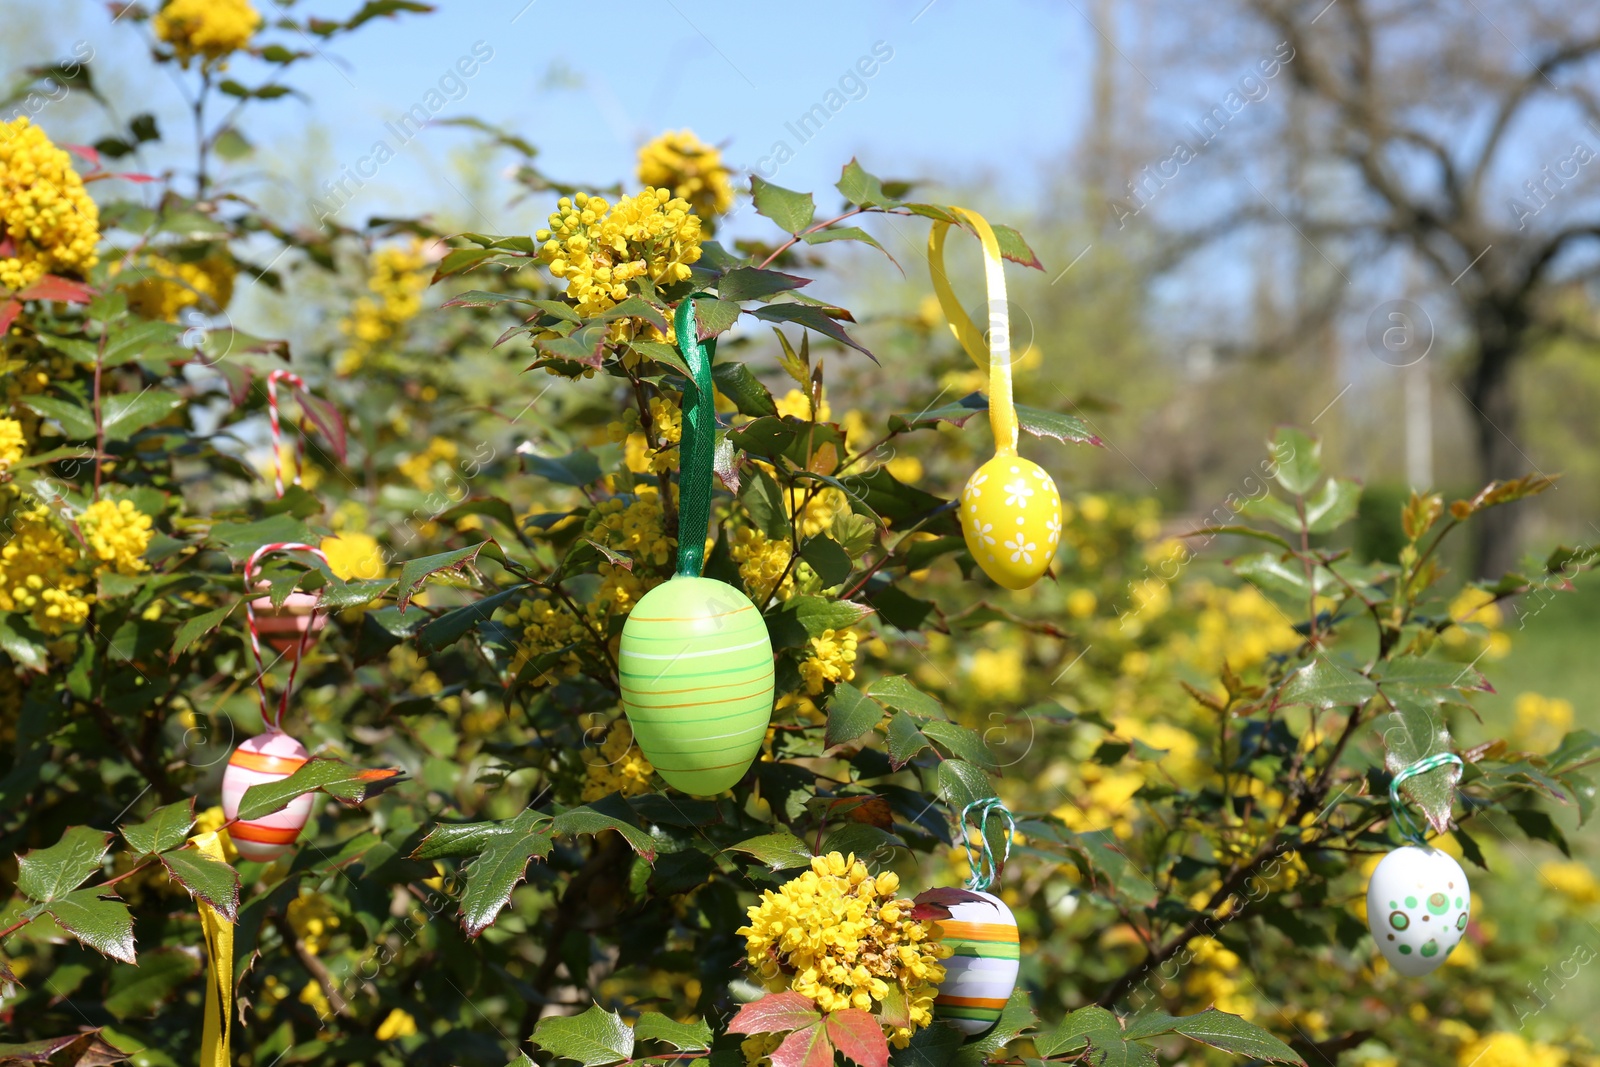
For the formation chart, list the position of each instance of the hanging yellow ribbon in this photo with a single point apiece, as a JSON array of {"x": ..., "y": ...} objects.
[
  {"x": 1010, "y": 509},
  {"x": 993, "y": 353},
  {"x": 219, "y": 969}
]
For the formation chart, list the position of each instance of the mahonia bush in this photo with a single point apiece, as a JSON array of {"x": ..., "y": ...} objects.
[{"x": 1191, "y": 735}]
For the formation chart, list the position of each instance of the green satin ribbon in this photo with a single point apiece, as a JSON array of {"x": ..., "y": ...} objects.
[
  {"x": 697, "y": 448},
  {"x": 1402, "y": 819},
  {"x": 981, "y": 861}
]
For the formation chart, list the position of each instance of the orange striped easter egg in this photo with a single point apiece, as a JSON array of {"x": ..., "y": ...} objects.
[
  {"x": 982, "y": 971},
  {"x": 268, "y": 757}
]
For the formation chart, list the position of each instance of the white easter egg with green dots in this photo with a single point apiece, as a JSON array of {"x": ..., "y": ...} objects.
[
  {"x": 1418, "y": 906},
  {"x": 1011, "y": 518},
  {"x": 697, "y": 679}
]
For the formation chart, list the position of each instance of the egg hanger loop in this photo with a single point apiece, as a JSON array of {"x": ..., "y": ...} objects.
[
  {"x": 697, "y": 447},
  {"x": 295, "y": 382},
  {"x": 268, "y": 719},
  {"x": 1402, "y": 819},
  {"x": 994, "y": 352},
  {"x": 980, "y": 860}
]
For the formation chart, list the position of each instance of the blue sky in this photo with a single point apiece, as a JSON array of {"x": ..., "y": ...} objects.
[{"x": 588, "y": 85}]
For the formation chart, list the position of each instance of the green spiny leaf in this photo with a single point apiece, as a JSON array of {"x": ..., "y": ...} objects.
[
  {"x": 209, "y": 880},
  {"x": 165, "y": 828},
  {"x": 100, "y": 921},
  {"x": 792, "y": 211},
  {"x": 592, "y": 1039},
  {"x": 780, "y": 851},
  {"x": 850, "y": 715},
  {"x": 334, "y": 777},
  {"x": 47, "y": 874}
]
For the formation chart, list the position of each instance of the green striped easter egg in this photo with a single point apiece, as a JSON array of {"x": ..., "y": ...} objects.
[
  {"x": 696, "y": 665},
  {"x": 982, "y": 969}
]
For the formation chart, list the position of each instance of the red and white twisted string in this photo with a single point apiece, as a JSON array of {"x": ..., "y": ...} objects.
[
  {"x": 270, "y": 721},
  {"x": 295, "y": 382}
]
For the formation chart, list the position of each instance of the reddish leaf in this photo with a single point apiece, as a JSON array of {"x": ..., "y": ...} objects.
[
  {"x": 87, "y": 152},
  {"x": 805, "y": 1048},
  {"x": 936, "y": 903},
  {"x": 55, "y": 287},
  {"x": 131, "y": 176},
  {"x": 8, "y": 314},
  {"x": 86, "y": 1049},
  {"x": 775, "y": 1013},
  {"x": 874, "y": 811},
  {"x": 327, "y": 419},
  {"x": 857, "y": 1034},
  {"x": 945, "y": 896},
  {"x": 272, "y": 347}
]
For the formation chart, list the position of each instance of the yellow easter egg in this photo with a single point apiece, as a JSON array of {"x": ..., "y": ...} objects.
[{"x": 1011, "y": 517}]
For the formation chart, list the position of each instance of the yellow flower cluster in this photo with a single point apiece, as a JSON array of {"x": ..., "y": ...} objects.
[
  {"x": 314, "y": 920},
  {"x": 619, "y": 766},
  {"x": 211, "y": 29},
  {"x": 637, "y": 528},
  {"x": 38, "y": 573},
  {"x": 1104, "y": 801},
  {"x": 997, "y": 672},
  {"x": 117, "y": 534},
  {"x": 758, "y": 1049},
  {"x": 398, "y": 1023},
  {"x": 840, "y": 936},
  {"x": 796, "y": 403},
  {"x": 419, "y": 466},
  {"x": 1542, "y": 721},
  {"x": 761, "y": 559},
  {"x": 1209, "y": 980},
  {"x": 160, "y": 288},
  {"x": 397, "y": 278},
  {"x": 598, "y": 248},
  {"x": 52, "y": 224},
  {"x": 1477, "y": 632},
  {"x": 831, "y": 658},
  {"x": 641, "y": 453},
  {"x": 1573, "y": 880},
  {"x": 547, "y": 627},
  {"x": 1507, "y": 1049},
  {"x": 692, "y": 169},
  {"x": 620, "y": 589},
  {"x": 1240, "y": 625},
  {"x": 353, "y": 554},
  {"x": 12, "y": 444},
  {"x": 817, "y": 515}
]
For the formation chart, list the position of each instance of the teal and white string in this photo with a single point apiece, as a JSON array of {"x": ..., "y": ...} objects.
[
  {"x": 981, "y": 859},
  {"x": 1402, "y": 819}
]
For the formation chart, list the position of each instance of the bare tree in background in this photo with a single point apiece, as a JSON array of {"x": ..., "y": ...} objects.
[{"x": 1464, "y": 134}]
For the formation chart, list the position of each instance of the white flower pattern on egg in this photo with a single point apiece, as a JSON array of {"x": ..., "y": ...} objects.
[
  {"x": 1022, "y": 549},
  {"x": 1023, "y": 512}
]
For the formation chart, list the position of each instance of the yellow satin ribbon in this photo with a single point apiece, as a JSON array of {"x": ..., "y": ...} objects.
[
  {"x": 219, "y": 969},
  {"x": 993, "y": 355}
]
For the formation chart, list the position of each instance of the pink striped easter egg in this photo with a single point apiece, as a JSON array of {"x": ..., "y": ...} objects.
[{"x": 268, "y": 757}]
